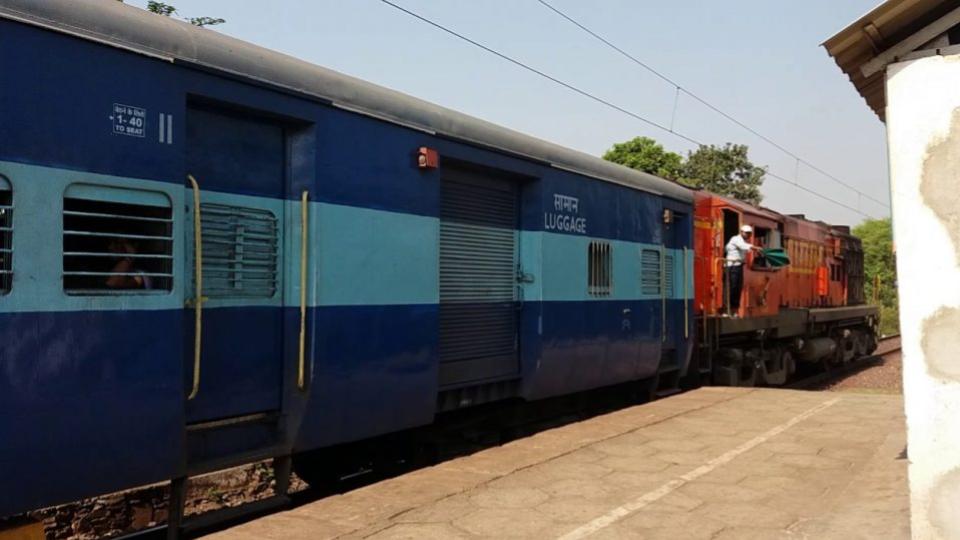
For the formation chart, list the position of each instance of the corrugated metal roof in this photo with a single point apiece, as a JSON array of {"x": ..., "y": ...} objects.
[
  {"x": 885, "y": 26},
  {"x": 118, "y": 25}
]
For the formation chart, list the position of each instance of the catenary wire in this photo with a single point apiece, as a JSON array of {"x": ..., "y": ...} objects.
[
  {"x": 707, "y": 104},
  {"x": 595, "y": 98},
  {"x": 531, "y": 69}
]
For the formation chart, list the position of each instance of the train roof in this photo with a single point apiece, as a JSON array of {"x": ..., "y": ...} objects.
[
  {"x": 773, "y": 215},
  {"x": 126, "y": 27},
  {"x": 742, "y": 206}
]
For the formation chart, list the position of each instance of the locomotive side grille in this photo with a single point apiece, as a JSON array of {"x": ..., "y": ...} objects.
[
  {"x": 239, "y": 251},
  {"x": 6, "y": 236},
  {"x": 115, "y": 244},
  {"x": 478, "y": 265},
  {"x": 650, "y": 272}
]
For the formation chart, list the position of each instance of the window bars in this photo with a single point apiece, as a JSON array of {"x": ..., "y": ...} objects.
[
  {"x": 6, "y": 236},
  {"x": 116, "y": 245},
  {"x": 599, "y": 269}
]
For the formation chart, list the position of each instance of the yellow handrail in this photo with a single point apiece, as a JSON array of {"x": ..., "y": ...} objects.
[
  {"x": 198, "y": 278},
  {"x": 663, "y": 293},
  {"x": 304, "y": 222},
  {"x": 686, "y": 308}
]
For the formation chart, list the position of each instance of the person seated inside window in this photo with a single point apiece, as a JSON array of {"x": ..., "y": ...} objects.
[{"x": 126, "y": 274}]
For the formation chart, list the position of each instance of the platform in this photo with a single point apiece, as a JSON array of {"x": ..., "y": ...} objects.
[{"x": 713, "y": 463}]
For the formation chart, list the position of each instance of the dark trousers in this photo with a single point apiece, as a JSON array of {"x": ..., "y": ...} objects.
[{"x": 734, "y": 284}]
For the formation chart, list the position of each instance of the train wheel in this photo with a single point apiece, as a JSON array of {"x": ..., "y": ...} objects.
[{"x": 872, "y": 343}]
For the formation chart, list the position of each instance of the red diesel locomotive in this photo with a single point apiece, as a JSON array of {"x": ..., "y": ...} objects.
[{"x": 810, "y": 311}]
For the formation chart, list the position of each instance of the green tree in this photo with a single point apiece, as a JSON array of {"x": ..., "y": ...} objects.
[
  {"x": 880, "y": 262},
  {"x": 162, "y": 8},
  {"x": 647, "y": 155},
  {"x": 725, "y": 171}
]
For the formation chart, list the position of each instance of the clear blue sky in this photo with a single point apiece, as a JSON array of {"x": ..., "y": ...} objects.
[{"x": 759, "y": 60}]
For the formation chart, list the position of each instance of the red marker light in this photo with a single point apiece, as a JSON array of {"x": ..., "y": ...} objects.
[{"x": 427, "y": 158}]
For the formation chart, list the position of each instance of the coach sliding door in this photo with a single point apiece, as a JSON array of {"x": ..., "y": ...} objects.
[{"x": 479, "y": 308}]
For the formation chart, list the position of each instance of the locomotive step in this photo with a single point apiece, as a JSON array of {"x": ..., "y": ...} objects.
[{"x": 232, "y": 460}]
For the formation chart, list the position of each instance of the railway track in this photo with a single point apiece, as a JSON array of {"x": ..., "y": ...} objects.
[{"x": 889, "y": 344}]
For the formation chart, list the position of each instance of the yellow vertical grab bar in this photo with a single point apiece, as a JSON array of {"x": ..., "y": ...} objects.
[
  {"x": 198, "y": 278},
  {"x": 304, "y": 226},
  {"x": 686, "y": 307},
  {"x": 663, "y": 293}
]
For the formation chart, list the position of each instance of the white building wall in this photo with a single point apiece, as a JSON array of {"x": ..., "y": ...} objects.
[{"x": 923, "y": 128}]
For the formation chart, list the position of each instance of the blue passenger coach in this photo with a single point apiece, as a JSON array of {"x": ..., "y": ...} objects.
[{"x": 366, "y": 260}]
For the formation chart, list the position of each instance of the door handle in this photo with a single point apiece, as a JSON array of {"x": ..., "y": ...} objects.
[
  {"x": 198, "y": 278},
  {"x": 304, "y": 226}
]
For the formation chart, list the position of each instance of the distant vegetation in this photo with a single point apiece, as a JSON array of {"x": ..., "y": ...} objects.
[
  {"x": 879, "y": 260},
  {"x": 725, "y": 170},
  {"x": 162, "y": 8}
]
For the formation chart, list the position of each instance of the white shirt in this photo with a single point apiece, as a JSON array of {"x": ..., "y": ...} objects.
[{"x": 737, "y": 249}]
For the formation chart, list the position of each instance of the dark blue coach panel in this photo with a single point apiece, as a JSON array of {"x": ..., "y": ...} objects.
[{"x": 121, "y": 105}]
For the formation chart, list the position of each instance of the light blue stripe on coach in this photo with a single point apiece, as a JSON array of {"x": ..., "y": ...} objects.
[
  {"x": 372, "y": 257},
  {"x": 558, "y": 264},
  {"x": 355, "y": 256},
  {"x": 38, "y": 239}
]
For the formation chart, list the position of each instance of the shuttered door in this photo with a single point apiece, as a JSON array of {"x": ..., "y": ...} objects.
[{"x": 478, "y": 258}]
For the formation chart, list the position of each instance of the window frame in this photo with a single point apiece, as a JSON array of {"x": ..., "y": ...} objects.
[
  {"x": 6, "y": 237},
  {"x": 599, "y": 268},
  {"x": 94, "y": 194}
]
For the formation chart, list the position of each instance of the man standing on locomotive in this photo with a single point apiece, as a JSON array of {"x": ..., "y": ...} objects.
[{"x": 736, "y": 256}]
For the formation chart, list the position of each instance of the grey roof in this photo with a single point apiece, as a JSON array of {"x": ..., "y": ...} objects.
[
  {"x": 118, "y": 25},
  {"x": 885, "y": 26}
]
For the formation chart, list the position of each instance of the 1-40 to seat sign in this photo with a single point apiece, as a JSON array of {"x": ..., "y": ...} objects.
[{"x": 129, "y": 120}]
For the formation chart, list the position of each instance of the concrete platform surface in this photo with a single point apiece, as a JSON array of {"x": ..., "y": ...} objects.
[{"x": 715, "y": 463}]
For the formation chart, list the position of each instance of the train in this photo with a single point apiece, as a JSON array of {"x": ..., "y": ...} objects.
[{"x": 213, "y": 254}]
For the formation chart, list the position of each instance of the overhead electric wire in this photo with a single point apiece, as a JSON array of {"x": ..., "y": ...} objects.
[
  {"x": 531, "y": 69},
  {"x": 706, "y": 103},
  {"x": 593, "y": 97}
]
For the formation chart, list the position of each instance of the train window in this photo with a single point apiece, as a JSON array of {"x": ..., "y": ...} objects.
[
  {"x": 650, "y": 272},
  {"x": 836, "y": 272},
  {"x": 769, "y": 239},
  {"x": 6, "y": 236},
  {"x": 116, "y": 241},
  {"x": 599, "y": 268},
  {"x": 240, "y": 251}
]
